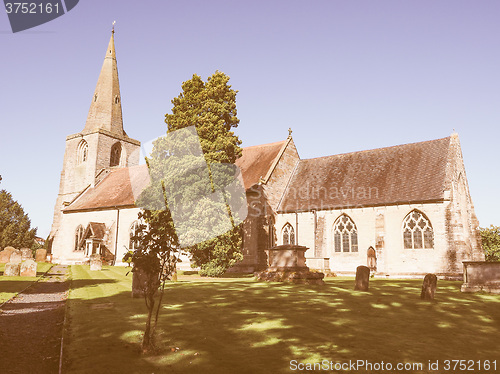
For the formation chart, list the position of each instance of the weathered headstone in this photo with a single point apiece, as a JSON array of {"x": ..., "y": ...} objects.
[
  {"x": 95, "y": 262},
  {"x": 26, "y": 254},
  {"x": 429, "y": 287},
  {"x": 28, "y": 268},
  {"x": 11, "y": 269},
  {"x": 5, "y": 254},
  {"x": 41, "y": 255},
  {"x": 16, "y": 257},
  {"x": 362, "y": 278}
]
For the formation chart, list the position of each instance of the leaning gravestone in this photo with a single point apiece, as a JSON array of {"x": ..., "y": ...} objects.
[
  {"x": 41, "y": 255},
  {"x": 5, "y": 254},
  {"x": 16, "y": 257},
  {"x": 11, "y": 269},
  {"x": 140, "y": 282},
  {"x": 429, "y": 287},
  {"x": 28, "y": 268},
  {"x": 26, "y": 254},
  {"x": 95, "y": 262},
  {"x": 362, "y": 278}
]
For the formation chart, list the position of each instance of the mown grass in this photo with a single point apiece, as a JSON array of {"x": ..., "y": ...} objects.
[
  {"x": 11, "y": 286},
  {"x": 242, "y": 326}
]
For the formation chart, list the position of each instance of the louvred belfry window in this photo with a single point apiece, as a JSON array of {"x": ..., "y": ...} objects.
[
  {"x": 116, "y": 152},
  {"x": 417, "y": 231}
]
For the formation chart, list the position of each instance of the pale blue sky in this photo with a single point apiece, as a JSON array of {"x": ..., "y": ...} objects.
[{"x": 344, "y": 75}]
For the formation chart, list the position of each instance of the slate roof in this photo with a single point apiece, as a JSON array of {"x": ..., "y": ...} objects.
[
  {"x": 256, "y": 161},
  {"x": 118, "y": 189},
  {"x": 400, "y": 174}
]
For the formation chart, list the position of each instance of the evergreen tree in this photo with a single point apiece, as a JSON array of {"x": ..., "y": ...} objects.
[
  {"x": 190, "y": 182},
  {"x": 15, "y": 225}
]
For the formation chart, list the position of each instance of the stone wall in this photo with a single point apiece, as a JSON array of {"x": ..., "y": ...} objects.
[{"x": 379, "y": 227}]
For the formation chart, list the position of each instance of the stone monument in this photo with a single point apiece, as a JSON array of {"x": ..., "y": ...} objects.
[
  {"x": 41, "y": 255},
  {"x": 26, "y": 254},
  {"x": 12, "y": 269},
  {"x": 287, "y": 263},
  {"x": 28, "y": 268},
  {"x": 429, "y": 287},
  {"x": 362, "y": 278},
  {"x": 95, "y": 262}
]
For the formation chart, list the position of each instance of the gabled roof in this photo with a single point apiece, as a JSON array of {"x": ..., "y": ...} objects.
[
  {"x": 119, "y": 188},
  {"x": 97, "y": 230},
  {"x": 400, "y": 174},
  {"x": 257, "y": 161}
]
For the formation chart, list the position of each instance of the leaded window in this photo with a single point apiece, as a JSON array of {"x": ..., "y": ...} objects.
[
  {"x": 288, "y": 234},
  {"x": 79, "y": 238},
  {"x": 133, "y": 243},
  {"x": 116, "y": 152},
  {"x": 417, "y": 231},
  {"x": 345, "y": 235}
]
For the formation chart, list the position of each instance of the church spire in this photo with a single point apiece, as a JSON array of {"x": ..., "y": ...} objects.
[{"x": 106, "y": 109}]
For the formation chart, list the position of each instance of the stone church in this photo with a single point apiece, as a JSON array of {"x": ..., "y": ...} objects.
[{"x": 403, "y": 210}]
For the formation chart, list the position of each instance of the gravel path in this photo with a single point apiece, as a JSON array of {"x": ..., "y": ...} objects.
[{"x": 31, "y": 326}]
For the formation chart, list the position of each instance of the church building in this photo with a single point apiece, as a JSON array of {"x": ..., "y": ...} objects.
[{"x": 403, "y": 210}]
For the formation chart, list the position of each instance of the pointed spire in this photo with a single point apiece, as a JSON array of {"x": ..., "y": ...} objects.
[{"x": 106, "y": 109}]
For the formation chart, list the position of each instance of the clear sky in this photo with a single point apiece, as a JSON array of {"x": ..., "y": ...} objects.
[{"x": 344, "y": 75}]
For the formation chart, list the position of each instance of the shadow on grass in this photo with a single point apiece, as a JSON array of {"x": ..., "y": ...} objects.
[{"x": 244, "y": 326}]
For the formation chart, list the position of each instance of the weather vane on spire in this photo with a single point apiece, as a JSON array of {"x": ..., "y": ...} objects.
[{"x": 113, "y": 30}]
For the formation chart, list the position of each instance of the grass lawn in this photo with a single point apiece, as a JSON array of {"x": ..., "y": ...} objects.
[
  {"x": 237, "y": 325},
  {"x": 11, "y": 286}
]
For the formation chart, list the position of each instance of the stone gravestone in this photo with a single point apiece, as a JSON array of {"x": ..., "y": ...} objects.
[
  {"x": 95, "y": 262},
  {"x": 11, "y": 269},
  {"x": 41, "y": 255},
  {"x": 362, "y": 278},
  {"x": 28, "y": 268},
  {"x": 429, "y": 287},
  {"x": 5, "y": 254},
  {"x": 16, "y": 257},
  {"x": 26, "y": 254}
]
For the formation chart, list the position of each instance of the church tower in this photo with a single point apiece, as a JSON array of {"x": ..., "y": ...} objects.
[{"x": 101, "y": 145}]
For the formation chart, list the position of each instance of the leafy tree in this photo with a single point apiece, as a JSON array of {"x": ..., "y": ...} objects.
[
  {"x": 211, "y": 107},
  {"x": 15, "y": 225},
  {"x": 154, "y": 261},
  {"x": 490, "y": 238}
]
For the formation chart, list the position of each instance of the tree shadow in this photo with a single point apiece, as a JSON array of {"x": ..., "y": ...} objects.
[{"x": 243, "y": 326}]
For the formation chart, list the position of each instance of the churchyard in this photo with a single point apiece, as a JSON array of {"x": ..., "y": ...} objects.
[
  {"x": 239, "y": 325},
  {"x": 9, "y": 286}
]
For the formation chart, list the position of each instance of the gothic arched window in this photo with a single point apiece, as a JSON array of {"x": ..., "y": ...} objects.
[
  {"x": 288, "y": 234},
  {"x": 78, "y": 238},
  {"x": 417, "y": 231},
  {"x": 82, "y": 152},
  {"x": 116, "y": 152},
  {"x": 345, "y": 235},
  {"x": 133, "y": 244}
]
